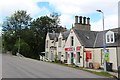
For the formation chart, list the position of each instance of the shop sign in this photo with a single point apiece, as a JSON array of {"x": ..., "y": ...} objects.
[
  {"x": 73, "y": 49},
  {"x": 69, "y": 49}
]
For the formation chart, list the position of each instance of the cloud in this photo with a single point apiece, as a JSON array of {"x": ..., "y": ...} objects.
[
  {"x": 8, "y": 7},
  {"x": 67, "y": 8},
  {"x": 86, "y": 7},
  {"x": 66, "y": 20},
  {"x": 110, "y": 22}
]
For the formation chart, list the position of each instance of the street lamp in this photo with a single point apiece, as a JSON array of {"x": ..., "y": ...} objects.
[
  {"x": 103, "y": 38},
  {"x": 19, "y": 46}
]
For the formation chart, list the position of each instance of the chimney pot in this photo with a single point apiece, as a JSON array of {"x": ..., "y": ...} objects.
[
  {"x": 88, "y": 21},
  {"x": 80, "y": 19},
  {"x": 76, "y": 19},
  {"x": 84, "y": 20}
]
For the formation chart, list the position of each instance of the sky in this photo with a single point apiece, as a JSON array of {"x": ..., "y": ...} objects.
[{"x": 68, "y": 9}]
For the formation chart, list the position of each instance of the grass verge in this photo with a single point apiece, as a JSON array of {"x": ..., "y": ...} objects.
[{"x": 101, "y": 73}]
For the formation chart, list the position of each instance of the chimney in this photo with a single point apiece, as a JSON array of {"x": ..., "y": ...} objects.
[
  {"x": 88, "y": 21},
  {"x": 84, "y": 20},
  {"x": 80, "y": 19},
  {"x": 76, "y": 19}
]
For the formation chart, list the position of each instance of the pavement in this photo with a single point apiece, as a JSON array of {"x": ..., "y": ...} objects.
[{"x": 21, "y": 67}]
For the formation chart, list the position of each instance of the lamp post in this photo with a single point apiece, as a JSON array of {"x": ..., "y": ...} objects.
[
  {"x": 19, "y": 45},
  {"x": 103, "y": 38}
]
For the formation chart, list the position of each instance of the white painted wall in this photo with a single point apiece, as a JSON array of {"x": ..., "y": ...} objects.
[
  {"x": 50, "y": 43},
  {"x": 76, "y": 43},
  {"x": 96, "y": 52},
  {"x": 112, "y": 56},
  {"x": 61, "y": 49}
]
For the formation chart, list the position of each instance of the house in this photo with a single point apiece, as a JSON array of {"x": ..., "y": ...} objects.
[
  {"x": 111, "y": 45},
  {"x": 76, "y": 46},
  {"x": 62, "y": 56},
  {"x": 85, "y": 47},
  {"x": 81, "y": 46},
  {"x": 51, "y": 46}
]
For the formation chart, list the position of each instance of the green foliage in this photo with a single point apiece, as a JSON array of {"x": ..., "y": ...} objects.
[
  {"x": 17, "y": 21},
  {"x": 32, "y": 33},
  {"x": 24, "y": 48}
]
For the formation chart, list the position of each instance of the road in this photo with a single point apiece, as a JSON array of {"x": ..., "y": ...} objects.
[{"x": 18, "y": 67}]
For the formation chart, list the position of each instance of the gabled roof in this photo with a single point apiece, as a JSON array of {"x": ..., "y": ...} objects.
[
  {"x": 65, "y": 34},
  {"x": 94, "y": 38},
  {"x": 53, "y": 35},
  {"x": 87, "y": 38}
]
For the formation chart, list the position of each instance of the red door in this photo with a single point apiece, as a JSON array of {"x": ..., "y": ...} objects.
[{"x": 88, "y": 55}]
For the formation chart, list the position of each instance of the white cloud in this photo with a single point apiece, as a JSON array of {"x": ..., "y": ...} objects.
[
  {"x": 68, "y": 9},
  {"x": 83, "y": 7},
  {"x": 8, "y": 7},
  {"x": 66, "y": 20},
  {"x": 109, "y": 23}
]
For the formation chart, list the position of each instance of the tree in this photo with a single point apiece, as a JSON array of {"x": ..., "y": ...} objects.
[
  {"x": 24, "y": 48},
  {"x": 41, "y": 26},
  {"x": 19, "y": 30},
  {"x": 12, "y": 28},
  {"x": 56, "y": 22},
  {"x": 17, "y": 21}
]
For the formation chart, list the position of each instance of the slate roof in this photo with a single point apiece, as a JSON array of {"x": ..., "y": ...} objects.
[
  {"x": 65, "y": 34},
  {"x": 99, "y": 42},
  {"x": 53, "y": 35},
  {"x": 87, "y": 38}
]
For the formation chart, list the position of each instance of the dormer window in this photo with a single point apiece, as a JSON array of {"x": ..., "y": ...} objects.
[{"x": 110, "y": 37}]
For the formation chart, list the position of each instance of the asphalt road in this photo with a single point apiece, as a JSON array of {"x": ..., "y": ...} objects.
[{"x": 18, "y": 67}]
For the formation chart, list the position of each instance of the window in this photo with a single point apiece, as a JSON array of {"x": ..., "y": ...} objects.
[
  {"x": 59, "y": 41},
  {"x": 47, "y": 44},
  {"x": 110, "y": 37},
  {"x": 78, "y": 57},
  {"x": 108, "y": 40},
  {"x": 72, "y": 40}
]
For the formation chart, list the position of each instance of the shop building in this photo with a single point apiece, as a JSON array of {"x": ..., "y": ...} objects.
[
  {"x": 85, "y": 47},
  {"x": 81, "y": 46}
]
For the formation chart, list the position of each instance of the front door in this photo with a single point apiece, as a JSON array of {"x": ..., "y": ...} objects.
[
  {"x": 78, "y": 57},
  {"x": 72, "y": 58}
]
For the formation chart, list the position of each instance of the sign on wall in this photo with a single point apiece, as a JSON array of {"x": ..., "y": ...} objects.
[
  {"x": 106, "y": 53},
  {"x": 73, "y": 48}
]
